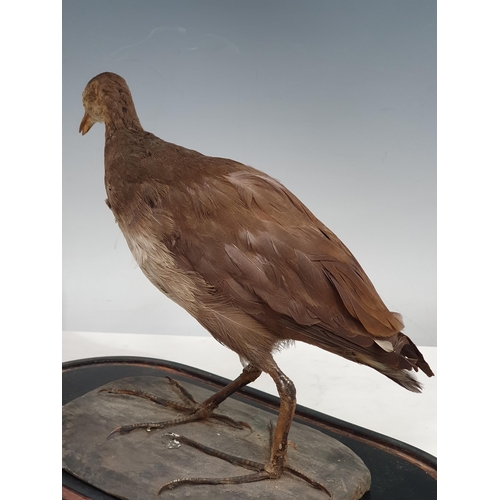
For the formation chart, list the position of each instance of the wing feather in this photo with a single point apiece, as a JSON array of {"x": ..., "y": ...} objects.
[{"x": 257, "y": 243}]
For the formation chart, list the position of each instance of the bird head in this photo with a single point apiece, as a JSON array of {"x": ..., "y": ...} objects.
[{"x": 107, "y": 99}]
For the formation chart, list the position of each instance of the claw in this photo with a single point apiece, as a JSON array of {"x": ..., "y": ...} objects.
[
  {"x": 118, "y": 430},
  {"x": 123, "y": 429}
]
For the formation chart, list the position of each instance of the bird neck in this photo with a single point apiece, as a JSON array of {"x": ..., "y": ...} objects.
[{"x": 122, "y": 116}]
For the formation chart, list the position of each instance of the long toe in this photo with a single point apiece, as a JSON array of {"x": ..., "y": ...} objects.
[
  {"x": 195, "y": 411},
  {"x": 262, "y": 471}
]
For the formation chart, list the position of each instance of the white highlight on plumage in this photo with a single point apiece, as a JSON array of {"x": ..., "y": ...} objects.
[{"x": 385, "y": 345}]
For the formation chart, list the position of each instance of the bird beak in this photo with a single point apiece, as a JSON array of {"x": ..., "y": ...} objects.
[{"x": 86, "y": 124}]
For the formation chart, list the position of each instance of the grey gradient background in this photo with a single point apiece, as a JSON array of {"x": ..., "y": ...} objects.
[{"x": 336, "y": 99}]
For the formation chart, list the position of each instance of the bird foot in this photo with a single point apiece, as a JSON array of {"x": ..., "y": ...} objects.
[
  {"x": 196, "y": 411},
  {"x": 262, "y": 471}
]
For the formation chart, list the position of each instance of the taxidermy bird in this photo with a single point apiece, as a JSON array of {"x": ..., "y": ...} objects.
[{"x": 241, "y": 254}]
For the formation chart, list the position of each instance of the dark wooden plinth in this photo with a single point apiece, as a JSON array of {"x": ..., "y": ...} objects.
[{"x": 397, "y": 470}]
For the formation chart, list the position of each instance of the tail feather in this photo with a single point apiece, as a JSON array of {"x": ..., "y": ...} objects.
[
  {"x": 398, "y": 364},
  {"x": 411, "y": 351},
  {"x": 403, "y": 377},
  {"x": 396, "y": 357}
]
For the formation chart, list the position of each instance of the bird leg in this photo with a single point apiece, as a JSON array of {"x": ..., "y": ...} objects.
[
  {"x": 276, "y": 465},
  {"x": 195, "y": 410}
]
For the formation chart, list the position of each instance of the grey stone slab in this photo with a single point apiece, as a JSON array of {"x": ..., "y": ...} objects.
[{"x": 136, "y": 465}]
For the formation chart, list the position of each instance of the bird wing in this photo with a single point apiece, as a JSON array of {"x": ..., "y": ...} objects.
[
  {"x": 254, "y": 242},
  {"x": 319, "y": 280}
]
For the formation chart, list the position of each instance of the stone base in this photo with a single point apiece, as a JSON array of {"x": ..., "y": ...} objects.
[{"x": 136, "y": 465}]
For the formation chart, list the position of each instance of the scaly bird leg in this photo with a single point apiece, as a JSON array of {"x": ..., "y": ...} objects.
[
  {"x": 195, "y": 410},
  {"x": 279, "y": 442}
]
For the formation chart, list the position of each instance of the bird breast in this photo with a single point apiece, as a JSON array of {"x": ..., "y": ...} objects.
[{"x": 160, "y": 267}]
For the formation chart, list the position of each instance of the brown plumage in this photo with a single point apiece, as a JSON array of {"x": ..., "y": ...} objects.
[{"x": 241, "y": 253}]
